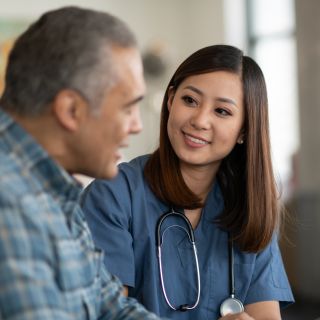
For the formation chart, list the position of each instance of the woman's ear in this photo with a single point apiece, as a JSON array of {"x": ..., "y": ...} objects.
[
  {"x": 170, "y": 97},
  {"x": 241, "y": 137}
]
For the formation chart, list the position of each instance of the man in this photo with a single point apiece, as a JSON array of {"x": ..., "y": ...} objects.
[{"x": 73, "y": 83}]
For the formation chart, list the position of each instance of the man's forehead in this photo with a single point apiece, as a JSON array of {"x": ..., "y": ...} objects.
[
  {"x": 133, "y": 90},
  {"x": 128, "y": 67},
  {"x": 127, "y": 58}
]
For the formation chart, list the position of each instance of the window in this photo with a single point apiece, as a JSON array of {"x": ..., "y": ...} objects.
[
  {"x": 265, "y": 30},
  {"x": 272, "y": 43}
]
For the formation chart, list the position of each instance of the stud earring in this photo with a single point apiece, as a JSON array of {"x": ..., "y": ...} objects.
[{"x": 241, "y": 142}]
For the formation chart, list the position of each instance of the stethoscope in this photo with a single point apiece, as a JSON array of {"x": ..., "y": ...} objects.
[{"x": 230, "y": 305}]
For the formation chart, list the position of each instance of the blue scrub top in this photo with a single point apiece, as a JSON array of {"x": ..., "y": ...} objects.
[{"x": 122, "y": 215}]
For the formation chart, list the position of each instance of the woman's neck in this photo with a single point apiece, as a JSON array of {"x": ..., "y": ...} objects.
[{"x": 199, "y": 179}]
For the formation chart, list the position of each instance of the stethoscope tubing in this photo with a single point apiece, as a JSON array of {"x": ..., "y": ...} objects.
[
  {"x": 162, "y": 282},
  {"x": 231, "y": 266},
  {"x": 168, "y": 214},
  {"x": 159, "y": 243},
  {"x": 230, "y": 303},
  {"x": 198, "y": 273}
]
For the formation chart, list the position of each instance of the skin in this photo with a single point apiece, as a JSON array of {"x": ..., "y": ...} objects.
[
  {"x": 210, "y": 107},
  {"x": 87, "y": 143}
]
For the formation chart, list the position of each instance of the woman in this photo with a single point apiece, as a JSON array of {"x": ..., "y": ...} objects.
[{"x": 213, "y": 165}]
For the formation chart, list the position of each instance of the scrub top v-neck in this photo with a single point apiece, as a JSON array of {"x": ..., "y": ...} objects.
[{"x": 122, "y": 215}]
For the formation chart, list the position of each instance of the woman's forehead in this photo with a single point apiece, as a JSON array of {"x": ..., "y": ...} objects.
[{"x": 214, "y": 83}]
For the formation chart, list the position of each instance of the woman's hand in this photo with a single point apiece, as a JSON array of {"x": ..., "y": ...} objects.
[
  {"x": 264, "y": 310},
  {"x": 237, "y": 316}
]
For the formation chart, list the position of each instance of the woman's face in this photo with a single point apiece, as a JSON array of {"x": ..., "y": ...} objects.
[{"x": 206, "y": 117}]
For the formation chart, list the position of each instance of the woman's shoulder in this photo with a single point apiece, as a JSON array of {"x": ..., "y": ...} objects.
[
  {"x": 128, "y": 183},
  {"x": 134, "y": 167},
  {"x": 130, "y": 174}
]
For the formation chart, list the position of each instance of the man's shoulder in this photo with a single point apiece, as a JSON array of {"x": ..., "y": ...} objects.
[
  {"x": 13, "y": 183},
  {"x": 21, "y": 211}
]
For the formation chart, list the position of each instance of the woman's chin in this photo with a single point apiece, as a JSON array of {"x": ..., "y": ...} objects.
[{"x": 193, "y": 161}]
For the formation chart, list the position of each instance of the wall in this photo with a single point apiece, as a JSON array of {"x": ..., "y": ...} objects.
[
  {"x": 186, "y": 25},
  {"x": 307, "y": 253}
]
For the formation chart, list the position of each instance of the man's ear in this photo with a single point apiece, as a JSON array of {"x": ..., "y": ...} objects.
[
  {"x": 70, "y": 109},
  {"x": 170, "y": 98}
]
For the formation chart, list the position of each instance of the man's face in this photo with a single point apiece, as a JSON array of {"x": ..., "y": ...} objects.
[{"x": 104, "y": 134}]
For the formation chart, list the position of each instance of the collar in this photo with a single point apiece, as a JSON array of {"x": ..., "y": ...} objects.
[{"x": 213, "y": 208}]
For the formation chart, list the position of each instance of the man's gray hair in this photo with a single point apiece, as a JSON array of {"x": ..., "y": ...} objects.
[{"x": 69, "y": 48}]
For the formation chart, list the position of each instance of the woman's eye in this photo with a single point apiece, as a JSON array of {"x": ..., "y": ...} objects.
[
  {"x": 222, "y": 111},
  {"x": 189, "y": 100}
]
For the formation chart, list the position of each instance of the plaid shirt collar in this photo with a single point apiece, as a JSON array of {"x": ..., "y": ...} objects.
[{"x": 50, "y": 176}]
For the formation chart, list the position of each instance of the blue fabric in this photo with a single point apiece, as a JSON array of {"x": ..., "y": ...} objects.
[
  {"x": 49, "y": 267},
  {"x": 122, "y": 215}
]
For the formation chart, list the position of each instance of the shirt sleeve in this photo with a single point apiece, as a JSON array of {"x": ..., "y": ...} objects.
[
  {"x": 107, "y": 208},
  {"x": 115, "y": 306},
  {"x": 27, "y": 282},
  {"x": 269, "y": 280}
]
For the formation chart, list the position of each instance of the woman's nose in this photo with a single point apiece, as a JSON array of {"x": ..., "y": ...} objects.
[{"x": 201, "y": 119}]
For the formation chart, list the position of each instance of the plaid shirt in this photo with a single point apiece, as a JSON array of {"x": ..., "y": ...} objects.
[{"x": 49, "y": 267}]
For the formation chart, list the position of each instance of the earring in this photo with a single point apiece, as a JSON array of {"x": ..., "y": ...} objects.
[{"x": 241, "y": 142}]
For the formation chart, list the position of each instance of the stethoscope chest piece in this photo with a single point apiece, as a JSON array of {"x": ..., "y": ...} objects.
[{"x": 231, "y": 305}]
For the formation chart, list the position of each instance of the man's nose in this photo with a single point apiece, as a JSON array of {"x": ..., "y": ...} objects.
[{"x": 136, "y": 123}]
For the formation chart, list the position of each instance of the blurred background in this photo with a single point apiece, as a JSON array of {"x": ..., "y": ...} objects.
[{"x": 283, "y": 36}]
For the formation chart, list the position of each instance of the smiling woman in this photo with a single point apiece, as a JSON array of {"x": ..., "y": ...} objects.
[
  {"x": 213, "y": 165},
  {"x": 244, "y": 172}
]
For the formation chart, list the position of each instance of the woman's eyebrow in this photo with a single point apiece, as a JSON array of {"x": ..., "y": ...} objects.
[
  {"x": 226, "y": 100},
  {"x": 194, "y": 89},
  {"x": 217, "y": 99}
]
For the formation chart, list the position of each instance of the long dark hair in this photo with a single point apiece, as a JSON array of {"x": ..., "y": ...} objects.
[{"x": 245, "y": 176}]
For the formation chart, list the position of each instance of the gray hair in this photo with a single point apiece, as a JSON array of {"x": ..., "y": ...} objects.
[{"x": 69, "y": 48}]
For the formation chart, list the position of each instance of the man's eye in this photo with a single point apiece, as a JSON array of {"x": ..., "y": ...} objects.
[{"x": 128, "y": 110}]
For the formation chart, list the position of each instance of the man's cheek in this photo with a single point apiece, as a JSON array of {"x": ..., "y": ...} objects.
[{"x": 124, "y": 126}]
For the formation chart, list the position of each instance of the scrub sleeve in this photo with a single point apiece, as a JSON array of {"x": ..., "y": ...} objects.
[
  {"x": 269, "y": 279},
  {"x": 108, "y": 212}
]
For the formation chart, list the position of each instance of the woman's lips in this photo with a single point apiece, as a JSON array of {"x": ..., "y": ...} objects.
[
  {"x": 192, "y": 136},
  {"x": 194, "y": 144}
]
